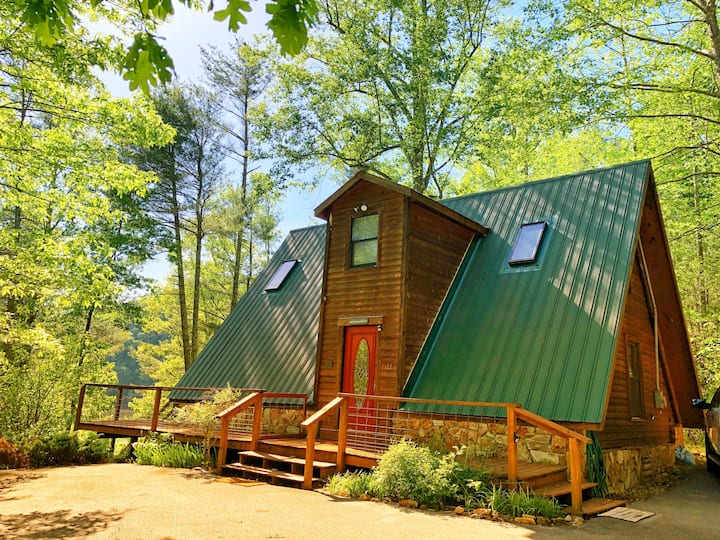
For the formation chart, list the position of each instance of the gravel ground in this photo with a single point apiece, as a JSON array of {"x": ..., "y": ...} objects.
[{"x": 131, "y": 501}]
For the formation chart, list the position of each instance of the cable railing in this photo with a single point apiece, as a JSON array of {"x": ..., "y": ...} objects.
[{"x": 374, "y": 423}]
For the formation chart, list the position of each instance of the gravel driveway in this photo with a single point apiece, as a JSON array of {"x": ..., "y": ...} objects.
[{"x": 131, "y": 501}]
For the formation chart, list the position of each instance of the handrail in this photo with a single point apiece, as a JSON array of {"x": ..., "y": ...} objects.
[
  {"x": 169, "y": 388},
  {"x": 514, "y": 411},
  {"x": 549, "y": 425},
  {"x": 238, "y": 406},
  {"x": 311, "y": 425},
  {"x": 228, "y": 414},
  {"x": 256, "y": 399}
]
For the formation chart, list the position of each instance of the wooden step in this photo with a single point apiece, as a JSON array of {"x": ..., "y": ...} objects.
[
  {"x": 560, "y": 488},
  {"x": 295, "y": 465},
  {"x": 540, "y": 475},
  {"x": 285, "y": 459},
  {"x": 593, "y": 507},
  {"x": 271, "y": 474}
]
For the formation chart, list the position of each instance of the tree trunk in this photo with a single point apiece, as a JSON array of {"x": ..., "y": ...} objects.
[
  {"x": 703, "y": 297},
  {"x": 237, "y": 267},
  {"x": 182, "y": 298},
  {"x": 199, "y": 233}
]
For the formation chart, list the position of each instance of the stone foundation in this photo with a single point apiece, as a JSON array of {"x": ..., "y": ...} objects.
[
  {"x": 481, "y": 440},
  {"x": 275, "y": 420},
  {"x": 631, "y": 467}
]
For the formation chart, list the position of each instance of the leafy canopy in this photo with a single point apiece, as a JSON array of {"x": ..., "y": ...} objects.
[{"x": 145, "y": 61}]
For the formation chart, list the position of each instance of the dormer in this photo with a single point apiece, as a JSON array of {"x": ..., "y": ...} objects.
[{"x": 391, "y": 254}]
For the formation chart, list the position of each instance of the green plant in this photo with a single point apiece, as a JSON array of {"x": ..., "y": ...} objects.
[
  {"x": 11, "y": 457},
  {"x": 66, "y": 448},
  {"x": 202, "y": 417},
  {"x": 351, "y": 484},
  {"x": 161, "y": 451},
  {"x": 518, "y": 502},
  {"x": 409, "y": 471}
]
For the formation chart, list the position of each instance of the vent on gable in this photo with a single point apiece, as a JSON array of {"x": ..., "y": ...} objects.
[
  {"x": 280, "y": 275},
  {"x": 527, "y": 243}
]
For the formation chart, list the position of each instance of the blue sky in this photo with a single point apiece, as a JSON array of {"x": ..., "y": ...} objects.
[{"x": 183, "y": 37}]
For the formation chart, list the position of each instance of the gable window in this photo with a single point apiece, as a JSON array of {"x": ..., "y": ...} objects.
[
  {"x": 280, "y": 275},
  {"x": 364, "y": 241},
  {"x": 527, "y": 243},
  {"x": 635, "y": 389}
]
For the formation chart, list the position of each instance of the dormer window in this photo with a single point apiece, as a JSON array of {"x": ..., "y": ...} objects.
[
  {"x": 364, "y": 241},
  {"x": 280, "y": 275},
  {"x": 527, "y": 244}
]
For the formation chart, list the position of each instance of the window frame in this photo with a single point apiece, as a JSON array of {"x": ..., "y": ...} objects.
[
  {"x": 352, "y": 242},
  {"x": 533, "y": 258}
]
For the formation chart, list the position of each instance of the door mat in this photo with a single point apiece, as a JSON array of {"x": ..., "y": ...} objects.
[{"x": 627, "y": 514}]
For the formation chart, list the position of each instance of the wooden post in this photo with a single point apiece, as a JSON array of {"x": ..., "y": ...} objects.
[
  {"x": 342, "y": 436},
  {"x": 156, "y": 410},
  {"x": 78, "y": 411},
  {"x": 257, "y": 422},
  {"x": 118, "y": 403},
  {"x": 222, "y": 452},
  {"x": 310, "y": 455},
  {"x": 575, "y": 476},
  {"x": 512, "y": 467}
]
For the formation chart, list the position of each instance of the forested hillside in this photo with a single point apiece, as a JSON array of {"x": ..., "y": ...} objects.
[{"x": 445, "y": 96}]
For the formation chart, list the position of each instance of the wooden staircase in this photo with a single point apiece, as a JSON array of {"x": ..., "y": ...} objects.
[
  {"x": 550, "y": 481},
  {"x": 277, "y": 468}
]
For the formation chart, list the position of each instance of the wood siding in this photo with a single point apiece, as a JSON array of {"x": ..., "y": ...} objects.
[
  {"x": 419, "y": 252},
  {"x": 656, "y": 425},
  {"x": 362, "y": 292},
  {"x": 436, "y": 246}
]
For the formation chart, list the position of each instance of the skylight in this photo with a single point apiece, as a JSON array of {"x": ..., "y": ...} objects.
[
  {"x": 280, "y": 275},
  {"x": 527, "y": 244}
]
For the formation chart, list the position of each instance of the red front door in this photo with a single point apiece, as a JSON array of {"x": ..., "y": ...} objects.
[{"x": 359, "y": 373}]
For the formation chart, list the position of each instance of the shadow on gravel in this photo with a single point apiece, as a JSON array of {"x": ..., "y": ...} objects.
[
  {"x": 58, "y": 524},
  {"x": 9, "y": 482}
]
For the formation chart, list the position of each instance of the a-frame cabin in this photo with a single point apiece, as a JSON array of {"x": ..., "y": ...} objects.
[{"x": 541, "y": 307}]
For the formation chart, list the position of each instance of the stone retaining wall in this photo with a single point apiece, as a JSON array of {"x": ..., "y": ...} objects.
[
  {"x": 482, "y": 439},
  {"x": 631, "y": 467}
]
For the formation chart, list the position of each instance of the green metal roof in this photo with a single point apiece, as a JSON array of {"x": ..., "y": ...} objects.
[
  {"x": 269, "y": 340},
  {"x": 541, "y": 335}
]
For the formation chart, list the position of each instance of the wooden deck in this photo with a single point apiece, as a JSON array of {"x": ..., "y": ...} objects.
[{"x": 325, "y": 450}]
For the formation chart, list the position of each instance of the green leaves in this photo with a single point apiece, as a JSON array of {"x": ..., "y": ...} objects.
[
  {"x": 147, "y": 63},
  {"x": 233, "y": 12},
  {"x": 289, "y": 22},
  {"x": 49, "y": 19}
]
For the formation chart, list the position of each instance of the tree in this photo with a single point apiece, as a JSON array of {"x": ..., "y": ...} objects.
[
  {"x": 145, "y": 62},
  {"x": 397, "y": 88},
  {"x": 189, "y": 172},
  {"x": 240, "y": 78},
  {"x": 68, "y": 204},
  {"x": 652, "y": 69}
]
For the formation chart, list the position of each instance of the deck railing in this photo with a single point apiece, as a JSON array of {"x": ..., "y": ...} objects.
[
  {"x": 150, "y": 408},
  {"x": 147, "y": 407},
  {"x": 373, "y": 423},
  {"x": 261, "y": 415}
]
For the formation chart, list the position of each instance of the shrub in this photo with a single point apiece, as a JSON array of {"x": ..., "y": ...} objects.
[
  {"x": 11, "y": 457},
  {"x": 202, "y": 417},
  {"x": 161, "y": 451},
  {"x": 67, "y": 448},
  {"x": 352, "y": 484},
  {"x": 409, "y": 471}
]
